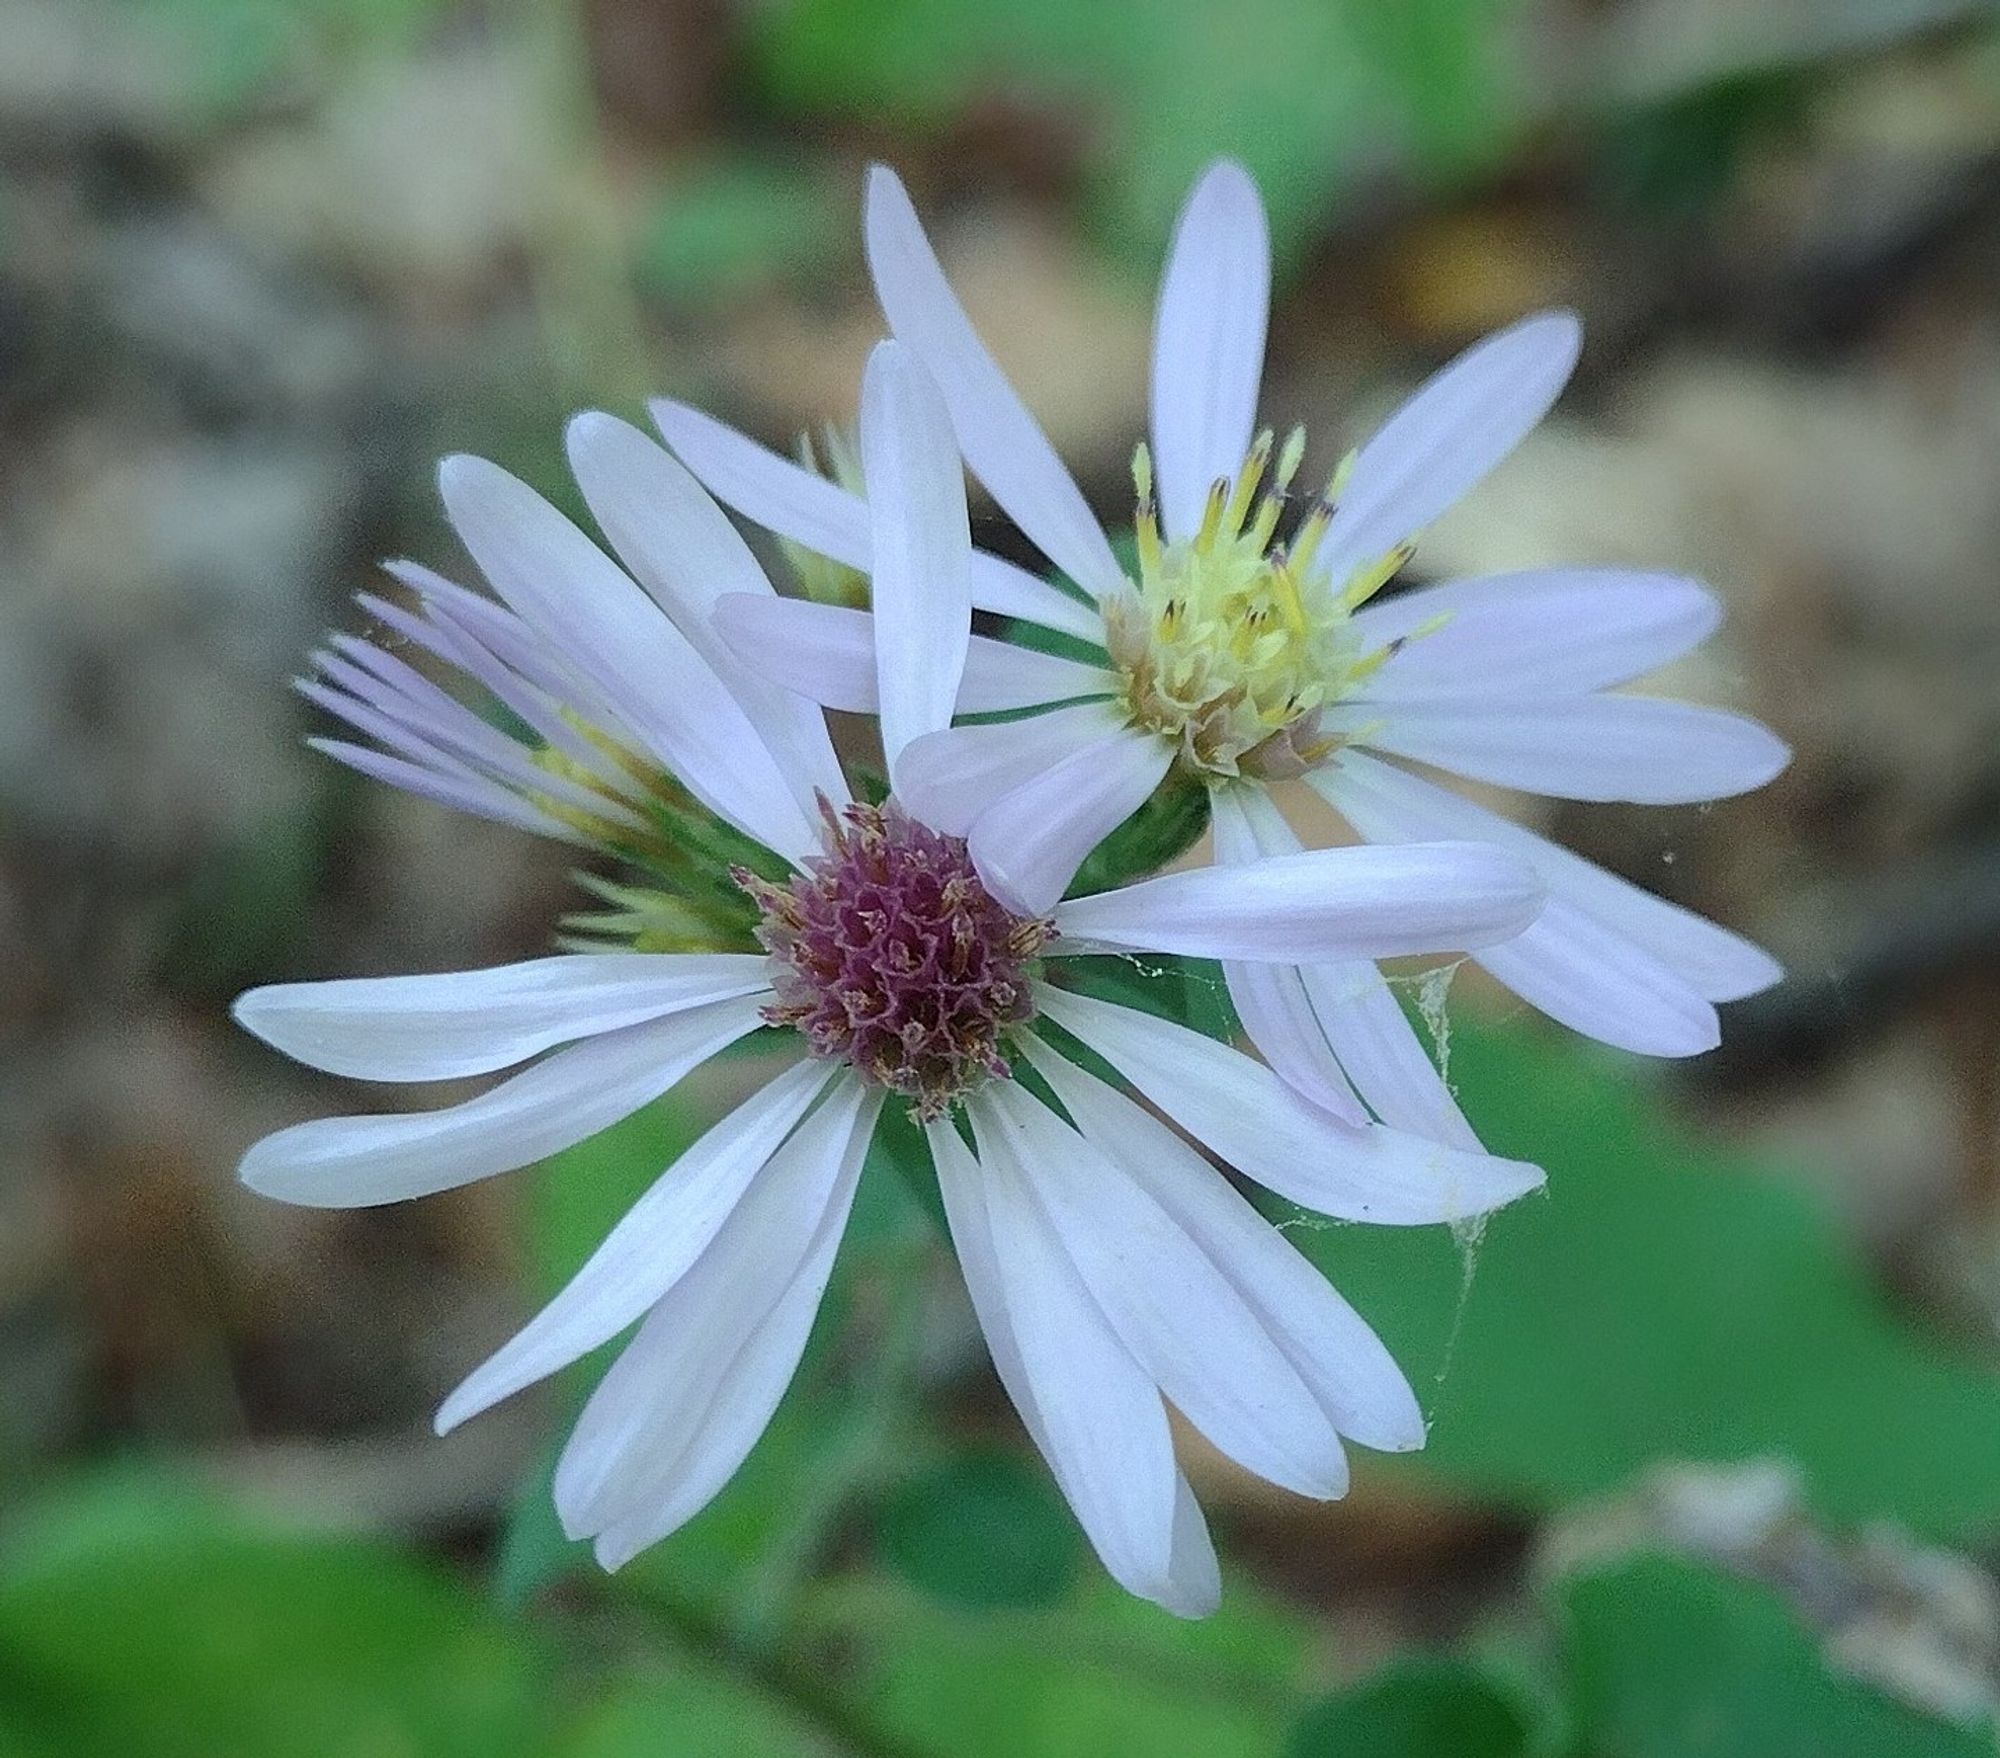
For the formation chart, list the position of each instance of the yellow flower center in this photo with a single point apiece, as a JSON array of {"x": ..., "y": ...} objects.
[{"x": 1232, "y": 645}]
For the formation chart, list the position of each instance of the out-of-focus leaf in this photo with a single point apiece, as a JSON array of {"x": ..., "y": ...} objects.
[
  {"x": 195, "y": 1633},
  {"x": 581, "y": 1193},
  {"x": 1105, "y": 1674},
  {"x": 985, "y": 1529},
  {"x": 1305, "y": 92},
  {"x": 1661, "y": 1301},
  {"x": 740, "y": 225},
  {"x": 693, "y": 1709},
  {"x": 1670, "y": 1659},
  {"x": 1416, "y": 1709}
]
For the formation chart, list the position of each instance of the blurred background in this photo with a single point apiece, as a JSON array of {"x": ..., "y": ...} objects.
[{"x": 1715, "y": 1457}]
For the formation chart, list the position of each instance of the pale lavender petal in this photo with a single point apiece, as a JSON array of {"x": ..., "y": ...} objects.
[
  {"x": 684, "y": 1401},
  {"x": 1334, "y": 903},
  {"x": 681, "y": 547},
  {"x": 1179, "y": 1315},
  {"x": 1208, "y": 342},
  {"x": 461, "y": 1023},
  {"x": 1640, "y": 749},
  {"x": 1001, "y": 441},
  {"x": 798, "y": 503},
  {"x": 1550, "y": 632},
  {"x": 1342, "y": 1361},
  {"x": 476, "y": 795},
  {"x": 1458, "y": 425},
  {"x": 1385, "y": 804},
  {"x": 660, "y": 1237},
  {"x": 579, "y": 601},
  {"x": 922, "y": 544},
  {"x": 1030, "y": 842},
  {"x": 948, "y": 778},
  {"x": 827, "y": 652},
  {"x": 1253, "y": 1121},
  {"x": 356, "y": 1162}
]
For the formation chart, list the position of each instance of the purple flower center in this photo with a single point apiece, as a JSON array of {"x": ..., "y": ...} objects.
[{"x": 889, "y": 954}]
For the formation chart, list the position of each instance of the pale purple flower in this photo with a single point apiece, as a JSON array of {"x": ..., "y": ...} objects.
[
  {"x": 1113, "y": 1268},
  {"x": 1249, "y": 656}
]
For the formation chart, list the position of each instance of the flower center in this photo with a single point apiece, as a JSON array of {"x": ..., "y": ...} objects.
[
  {"x": 1232, "y": 645},
  {"x": 890, "y": 955}
]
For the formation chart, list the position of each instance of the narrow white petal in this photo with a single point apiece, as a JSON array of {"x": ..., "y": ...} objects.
[
  {"x": 1342, "y": 1361},
  {"x": 650, "y": 1249},
  {"x": 1030, "y": 842},
  {"x": 1640, "y": 749},
  {"x": 357, "y": 1162},
  {"x": 922, "y": 545},
  {"x": 1333, "y": 903},
  {"x": 1182, "y": 1319},
  {"x": 1550, "y": 632},
  {"x": 1381, "y": 1053},
  {"x": 1385, "y": 804},
  {"x": 1458, "y": 425},
  {"x": 1193, "y": 1586},
  {"x": 1092, "y": 1410},
  {"x": 1001, "y": 441},
  {"x": 681, "y": 547},
  {"x": 1270, "y": 999},
  {"x": 679, "y": 1408},
  {"x": 948, "y": 778},
  {"x": 827, "y": 652},
  {"x": 1350, "y": 1013},
  {"x": 1253, "y": 1121},
  {"x": 473, "y": 1022},
  {"x": 798, "y": 503},
  {"x": 475, "y": 795},
  {"x": 1208, "y": 342},
  {"x": 572, "y": 594}
]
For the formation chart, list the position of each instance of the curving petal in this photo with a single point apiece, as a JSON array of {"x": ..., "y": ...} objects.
[
  {"x": 1385, "y": 804},
  {"x": 1456, "y": 427},
  {"x": 1250, "y": 1119},
  {"x": 1178, "y": 1314},
  {"x": 1640, "y": 749},
  {"x": 1029, "y": 844},
  {"x": 948, "y": 778},
  {"x": 1001, "y": 441},
  {"x": 357, "y": 1162},
  {"x": 827, "y": 652},
  {"x": 575, "y": 598},
  {"x": 1342, "y": 1361},
  {"x": 922, "y": 544},
  {"x": 798, "y": 503},
  {"x": 473, "y": 1022},
  {"x": 1331, "y": 903},
  {"x": 680, "y": 546},
  {"x": 1093, "y": 1412},
  {"x": 676, "y": 1413},
  {"x": 1208, "y": 342},
  {"x": 1548, "y": 632},
  {"x": 477, "y": 796},
  {"x": 652, "y": 1247}
]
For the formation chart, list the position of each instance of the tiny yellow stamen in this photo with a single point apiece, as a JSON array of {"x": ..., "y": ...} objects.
[
  {"x": 1247, "y": 480},
  {"x": 1211, "y": 517}
]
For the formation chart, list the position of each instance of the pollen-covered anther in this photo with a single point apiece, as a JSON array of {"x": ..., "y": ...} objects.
[
  {"x": 890, "y": 955},
  {"x": 1233, "y": 644}
]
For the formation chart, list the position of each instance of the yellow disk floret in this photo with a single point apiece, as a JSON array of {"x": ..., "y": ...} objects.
[{"x": 1231, "y": 646}]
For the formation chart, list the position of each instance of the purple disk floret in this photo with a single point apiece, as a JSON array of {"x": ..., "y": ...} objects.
[{"x": 889, "y": 954}]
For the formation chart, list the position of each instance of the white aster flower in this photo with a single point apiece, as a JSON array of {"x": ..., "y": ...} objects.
[
  {"x": 1113, "y": 1268},
  {"x": 1247, "y": 657}
]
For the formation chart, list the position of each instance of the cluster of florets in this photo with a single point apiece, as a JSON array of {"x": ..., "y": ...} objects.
[{"x": 889, "y": 954}]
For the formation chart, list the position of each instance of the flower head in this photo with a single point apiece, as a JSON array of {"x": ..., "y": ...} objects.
[
  {"x": 1252, "y": 644},
  {"x": 1113, "y": 1269}
]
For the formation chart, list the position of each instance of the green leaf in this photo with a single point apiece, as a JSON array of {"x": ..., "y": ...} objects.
[
  {"x": 693, "y": 1709},
  {"x": 738, "y": 226},
  {"x": 580, "y": 1194},
  {"x": 1670, "y": 1659},
  {"x": 1661, "y": 1301},
  {"x": 984, "y": 1529},
  {"x": 184, "y": 1632},
  {"x": 1422, "y": 1708}
]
